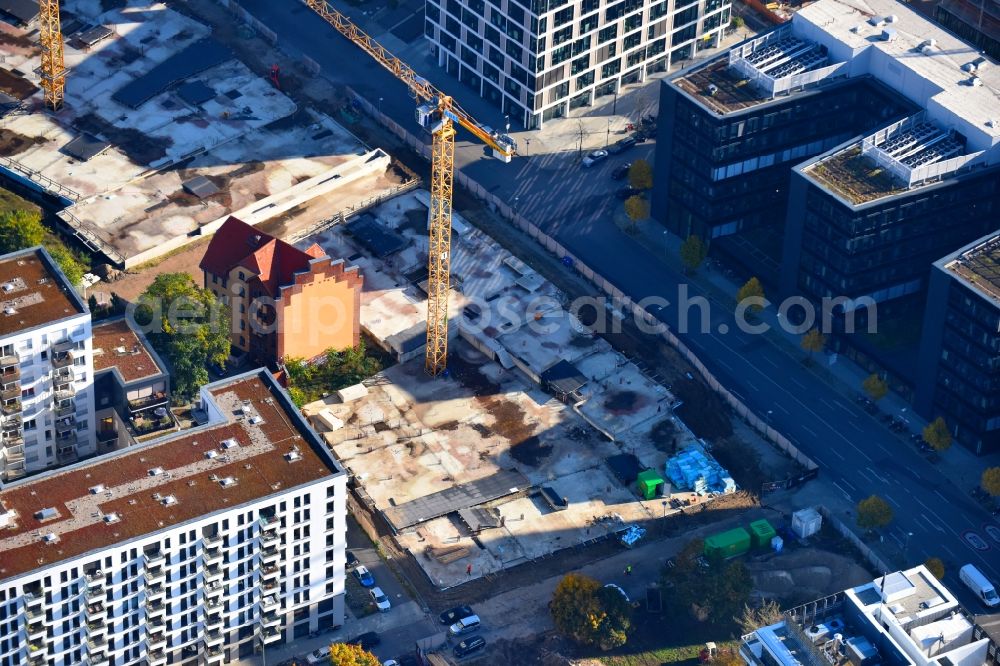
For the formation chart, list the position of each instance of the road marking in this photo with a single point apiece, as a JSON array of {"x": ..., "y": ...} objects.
[
  {"x": 779, "y": 406},
  {"x": 723, "y": 364},
  {"x": 949, "y": 551},
  {"x": 849, "y": 484},
  {"x": 837, "y": 453},
  {"x": 810, "y": 431},
  {"x": 889, "y": 497},
  {"x": 769, "y": 361},
  {"x": 932, "y": 524},
  {"x": 855, "y": 426},
  {"x": 846, "y": 494},
  {"x": 941, "y": 496}
]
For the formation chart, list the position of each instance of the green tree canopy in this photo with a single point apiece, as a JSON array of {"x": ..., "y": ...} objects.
[
  {"x": 990, "y": 481},
  {"x": 614, "y": 627},
  {"x": 876, "y": 387},
  {"x": 813, "y": 341},
  {"x": 349, "y": 654},
  {"x": 936, "y": 434},
  {"x": 737, "y": 22},
  {"x": 751, "y": 289},
  {"x": 309, "y": 381},
  {"x": 874, "y": 513},
  {"x": 636, "y": 208},
  {"x": 640, "y": 175},
  {"x": 68, "y": 264},
  {"x": 590, "y": 614},
  {"x": 935, "y": 566},
  {"x": 20, "y": 229},
  {"x": 693, "y": 251},
  {"x": 188, "y": 326},
  {"x": 717, "y": 593}
]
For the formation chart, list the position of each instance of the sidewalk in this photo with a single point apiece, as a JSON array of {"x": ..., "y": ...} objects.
[{"x": 958, "y": 464}]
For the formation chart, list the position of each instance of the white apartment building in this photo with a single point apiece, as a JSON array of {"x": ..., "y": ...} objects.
[
  {"x": 46, "y": 367},
  {"x": 537, "y": 59},
  {"x": 198, "y": 547}
]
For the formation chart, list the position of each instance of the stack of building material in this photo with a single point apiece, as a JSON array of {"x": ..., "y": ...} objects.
[{"x": 694, "y": 469}]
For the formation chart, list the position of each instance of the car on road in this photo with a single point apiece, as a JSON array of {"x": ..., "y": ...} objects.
[
  {"x": 320, "y": 656},
  {"x": 453, "y": 615},
  {"x": 390, "y": 662},
  {"x": 594, "y": 157},
  {"x": 465, "y": 625},
  {"x": 470, "y": 645},
  {"x": 622, "y": 145},
  {"x": 620, "y": 171},
  {"x": 381, "y": 601},
  {"x": 367, "y": 640},
  {"x": 364, "y": 576},
  {"x": 626, "y": 192},
  {"x": 352, "y": 560}
]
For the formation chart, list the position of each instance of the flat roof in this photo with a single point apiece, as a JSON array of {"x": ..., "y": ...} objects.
[
  {"x": 463, "y": 496},
  {"x": 978, "y": 266},
  {"x": 33, "y": 292},
  {"x": 116, "y": 345},
  {"x": 856, "y": 177},
  {"x": 124, "y": 495}
]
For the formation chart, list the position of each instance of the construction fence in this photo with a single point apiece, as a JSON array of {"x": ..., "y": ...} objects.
[
  {"x": 845, "y": 531},
  {"x": 248, "y": 19},
  {"x": 626, "y": 305}
]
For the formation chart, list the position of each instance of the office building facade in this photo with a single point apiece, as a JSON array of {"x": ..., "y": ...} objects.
[
  {"x": 201, "y": 547},
  {"x": 46, "y": 367},
  {"x": 537, "y": 59},
  {"x": 959, "y": 362}
]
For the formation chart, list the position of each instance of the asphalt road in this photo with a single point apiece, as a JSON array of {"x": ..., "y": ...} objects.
[{"x": 856, "y": 453}]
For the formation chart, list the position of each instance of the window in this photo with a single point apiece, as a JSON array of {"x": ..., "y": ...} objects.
[
  {"x": 631, "y": 41},
  {"x": 514, "y": 51},
  {"x": 585, "y": 80},
  {"x": 614, "y": 12},
  {"x": 581, "y": 45},
  {"x": 588, "y": 24},
  {"x": 588, "y": 6},
  {"x": 561, "y": 54},
  {"x": 607, "y": 34},
  {"x": 633, "y": 22},
  {"x": 562, "y": 36},
  {"x": 562, "y": 17},
  {"x": 611, "y": 68},
  {"x": 580, "y": 64}
]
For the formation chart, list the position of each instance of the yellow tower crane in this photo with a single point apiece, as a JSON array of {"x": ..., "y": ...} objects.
[
  {"x": 53, "y": 65},
  {"x": 439, "y": 113}
]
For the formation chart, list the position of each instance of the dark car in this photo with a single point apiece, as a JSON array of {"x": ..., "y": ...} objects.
[
  {"x": 620, "y": 171},
  {"x": 622, "y": 145},
  {"x": 626, "y": 192},
  {"x": 453, "y": 615},
  {"x": 470, "y": 645},
  {"x": 352, "y": 560},
  {"x": 367, "y": 640}
]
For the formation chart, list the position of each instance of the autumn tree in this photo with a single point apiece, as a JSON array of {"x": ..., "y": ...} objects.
[
  {"x": 693, "y": 251},
  {"x": 935, "y": 566},
  {"x": 20, "y": 229},
  {"x": 874, "y": 513},
  {"x": 936, "y": 434},
  {"x": 640, "y": 175},
  {"x": 752, "y": 619},
  {"x": 727, "y": 657},
  {"x": 590, "y": 614},
  {"x": 187, "y": 325},
  {"x": 876, "y": 387},
  {"x": 990, "y": 481},
  {"x": 349, "y": 654},
  {"x": 813, "y": 342},
  {"x": 752, "y": 289},
  {"x": 716, "y": 593},
  {"x": 636, "y": 209}
]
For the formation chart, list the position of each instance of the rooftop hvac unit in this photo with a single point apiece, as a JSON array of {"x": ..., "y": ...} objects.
[
  {"x": 227, "y": 482},
  {"x": 975, "y": 82},
  {"x": 110, "y": 518},
  {"x": 169, "y": 500},
  {"x": 712, "y": 89}
]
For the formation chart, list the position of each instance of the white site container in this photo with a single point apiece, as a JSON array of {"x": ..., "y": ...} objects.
[{"x": 806, "y": 522}]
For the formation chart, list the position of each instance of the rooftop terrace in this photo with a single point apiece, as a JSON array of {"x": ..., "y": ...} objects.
[
  {"x": 980, "y": 266},
  {"x": 117, "y": 346},
  {"x": 33, "y": 292},
  {"x": 166, "y": 482}
]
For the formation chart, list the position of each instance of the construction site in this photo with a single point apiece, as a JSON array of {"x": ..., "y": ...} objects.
[
  {"x": 163, "y": 133},
  {"x": 539, "y": 437}
]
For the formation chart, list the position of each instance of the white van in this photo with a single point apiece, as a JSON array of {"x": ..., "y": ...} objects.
[
  {"x": 466, "y": 624},
  {"x": 980, "y": 584}
]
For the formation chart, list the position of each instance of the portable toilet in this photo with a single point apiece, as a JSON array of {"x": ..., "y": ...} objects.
[
  {"x": 761, "y": 534},
  {"x": 728, "y": 544},
  {"x": 806, "y": 522},
  {"x": 649, "y": 484}
]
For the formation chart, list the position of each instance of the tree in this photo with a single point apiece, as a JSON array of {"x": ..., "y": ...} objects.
[
  {"x": 309, "y": 381},
  {"x": 813, "y": 342},
  {"x": 936, "y": 434},
  {"x": 752, "y": 289},
  {"x": 693, "y": 252},
  {"x": 727, "y": 657},
  {"x": 589, "y": 613},
  {"x": 990, "y": 481},
  {"x": 875, "y": 387},
  {"x": 636, "y": 209},
  {"x": 935, "y": 566},
  {"x": 737, "y": 22},
  {"x": 640, "y": 175},
  {"x": 187, "y": 325},
  {"x": 349, "y": 654},
  {"x": 717, "y": 593},
  {"x": 20, "y": 229},
  {"x": 68, "y": 264},
  {"x": 874, "y": 513},
  {"x": 582, "y": 133},
  {"x": 753, "y": 619}
]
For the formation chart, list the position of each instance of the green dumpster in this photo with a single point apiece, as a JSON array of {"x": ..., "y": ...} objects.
[
  {"x": 727, "y": 544},
  {"x": 761, "y": 534},
  {"x": 649, "y": 484}
]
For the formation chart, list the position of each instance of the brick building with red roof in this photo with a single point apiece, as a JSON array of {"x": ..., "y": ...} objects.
[{"x": 286, "y": 302}]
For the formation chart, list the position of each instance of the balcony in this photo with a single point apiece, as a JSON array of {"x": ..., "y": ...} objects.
[
  {"x": 63, "y": 374},
  {"x": 66, "y": 454},
  {"x": 158, "y": 399},
  {"x": 33, "y": 600},
  {"x": 62, "y": 359},
  {"x": 154, "y": 624},
  {"x": 10, "y": 391},
  {"x": 212, "y": 604},
  {"x": 66, "y": 392},
  {"x": 96, "y": 648},
  {"x": 12, "y": 407},
  {"x": 270, "y": 620},
  {"x": 270, "y": 572},
  {"x": 212, "y": 556},
  {"x": 65, "y": 409},
  {"x": 156, "y": 658},
  {"x": 9, "y": 360},
  {"x": 269, "y": 525},
  {"x": 269, "y": 537},
  {"x": 271, "y": 555},
  {"x": 155, "y": 609},
  {"x": 155, "y": 592},
  {"x": 95, "y": 628},
  {"x": 97, "y": 611},
  {"x": 213, "y": 621},
  {"x": 268, "y": 636},
  {"x": 269, "y": 603},
  {"x": 157, "y": 640},
  {"x": 63, "y": 346},
  {"x": 14, "y": 453},
  {"x": 213, "y": 590},
  {"x": 214, "y": 638},
  {"x": 94, "y": 578},
  {"x": 36, "y": 658},
  {"x": 213, "y": 574},
  {"x": 271, "y": 585},
  {"x": 95, "y": 593},
  {"x": 10, "y": 375},
  {"x": 154, "y": 561},
  {"x": 12, "y": 423},
  {"x": 36, "y": 631},
  {"x": 215, "y": 655}
]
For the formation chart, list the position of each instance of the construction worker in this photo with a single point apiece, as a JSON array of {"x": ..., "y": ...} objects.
[{"x": 628, "y": 570}]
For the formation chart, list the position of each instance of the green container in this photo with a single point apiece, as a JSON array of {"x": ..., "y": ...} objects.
[
  {"x": 728, "y": 544},
  {"x": 649, "y": 483},
  {"x": 761, "y": 534}
]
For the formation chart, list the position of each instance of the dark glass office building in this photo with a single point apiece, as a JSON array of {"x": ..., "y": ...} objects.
[{"x": 960, "y": 350}]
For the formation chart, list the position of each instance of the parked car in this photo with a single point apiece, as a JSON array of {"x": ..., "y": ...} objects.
[
  {"x": 620, "y": 591},
  {"x": 381, "y": 601},
  {"x": 367, "y": 640},
  {"x": 626, "y": 192},
  {"x": 621, "y": 171},
  {"x": 453, "y": 615},
  {"x": 364, "y": 576},
  {"x": 390, "y": 662},
  {"x": 465, "y": 625},
  {"x": 622, "y": 145},
  {"x": 320, "y": 656},
  {"x": 594, "y": 157},
  {"x": 470, "y": 645},
  {"x": 352, "y": 560}
]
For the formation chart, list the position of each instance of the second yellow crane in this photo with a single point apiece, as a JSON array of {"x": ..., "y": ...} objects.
[{"x": 438, "y": 113}]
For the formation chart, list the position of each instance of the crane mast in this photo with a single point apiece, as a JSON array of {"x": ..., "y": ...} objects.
[
  {"x": 53, "y": 65},
  {"x": 439, "y": 113}
]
